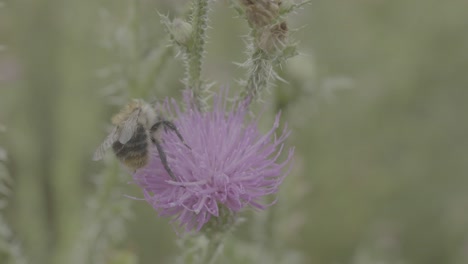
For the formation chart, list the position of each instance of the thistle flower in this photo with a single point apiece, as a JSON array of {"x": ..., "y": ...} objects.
[{"x": 229, "y": 164}]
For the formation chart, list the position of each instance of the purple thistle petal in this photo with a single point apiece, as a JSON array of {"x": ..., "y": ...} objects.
[{"x": 229, "y": 163}]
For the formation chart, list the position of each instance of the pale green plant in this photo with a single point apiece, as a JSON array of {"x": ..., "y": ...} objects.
[
  {"x": 11, "y": 250},
  {"x": 140, "y": 66},
  {"x": 105, "y": 216}
]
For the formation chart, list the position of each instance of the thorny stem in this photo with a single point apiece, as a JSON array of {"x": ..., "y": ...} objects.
[
  {"x": 260, "y": 73},
  {"x": 206, "y": 247},
  {"x": 196, "y": 51}
]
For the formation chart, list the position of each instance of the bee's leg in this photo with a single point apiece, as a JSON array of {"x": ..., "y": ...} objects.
[
  {"x": 162, "y": 156},
  {"x": 172, "y": 127}
]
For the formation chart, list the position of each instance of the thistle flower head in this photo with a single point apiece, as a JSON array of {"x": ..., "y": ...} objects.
[{"x": 229, "y": 164}]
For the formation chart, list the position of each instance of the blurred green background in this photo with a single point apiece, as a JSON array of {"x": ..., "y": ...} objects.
[{"x": 381, "y": 168}]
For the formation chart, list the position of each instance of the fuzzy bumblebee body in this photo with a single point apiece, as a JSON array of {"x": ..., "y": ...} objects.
[
  {"x": 134, "y": 153},
  {"x": 146, "y": 117},
  {"x": 137, "y": 127}
]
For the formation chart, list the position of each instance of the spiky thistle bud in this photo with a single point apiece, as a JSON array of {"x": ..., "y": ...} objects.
[
  {"x": 181, "y": 31},
  {"x": 260, "y": 13},
  {"x": 270, "y": 30},
  {"x": 273, "y": 39}
]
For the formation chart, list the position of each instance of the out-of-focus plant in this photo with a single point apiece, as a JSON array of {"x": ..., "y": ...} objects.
[
  {"x": 140, "y": 65},
  {"x": 382, "y": 245},
  {"x": 106, "y": 212},
  {"x": 10, "y": 247},
  {"x": 306, "y": 89}
]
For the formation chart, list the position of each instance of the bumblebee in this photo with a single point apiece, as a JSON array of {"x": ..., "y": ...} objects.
[{"x": 136, "y": 127}]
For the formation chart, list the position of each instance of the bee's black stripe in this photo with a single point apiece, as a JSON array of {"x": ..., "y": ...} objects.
[
  {"x": 140, "y": 134},
  {"x": 136, "y": 146},
  {"x": 130, "y": 146}
]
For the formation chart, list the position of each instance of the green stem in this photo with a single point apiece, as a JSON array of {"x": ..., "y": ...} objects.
[
  {"x": 204, "y": 248},
  {"x": 260, "y": 73},
  {"x": 215, "y": 246},
  {"x": 196, "y": 51}
]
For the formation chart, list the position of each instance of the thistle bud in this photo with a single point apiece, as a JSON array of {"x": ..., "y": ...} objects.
[
  {"x": 274, "y": 38},
  {"x": 264, "y": 16},
  {"x": 181, "y": 31},
  {"x": 260, "y": 13}
]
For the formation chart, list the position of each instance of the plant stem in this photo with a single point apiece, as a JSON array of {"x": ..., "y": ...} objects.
[
  {"x": 260, "y": 73},
  {"x": 196, "y": 51}
]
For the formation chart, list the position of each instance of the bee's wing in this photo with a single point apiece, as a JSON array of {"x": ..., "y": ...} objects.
[
  {"x": 129, "y": 127},
  {"x": 101, "y": 150}
]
